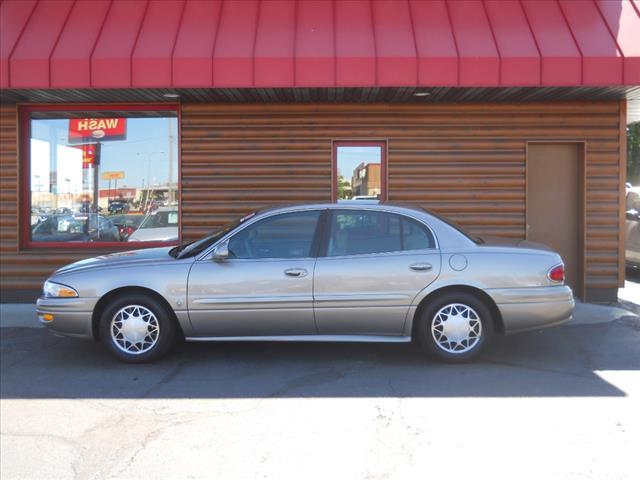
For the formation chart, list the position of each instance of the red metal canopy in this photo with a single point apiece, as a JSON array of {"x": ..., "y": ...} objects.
[{"x": 318, "y": 43}]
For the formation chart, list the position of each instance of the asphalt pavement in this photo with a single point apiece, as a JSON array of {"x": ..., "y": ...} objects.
[{"x": 557, "y": 403}]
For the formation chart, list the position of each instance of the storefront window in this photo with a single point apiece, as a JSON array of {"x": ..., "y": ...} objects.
[
  {"x": 360, "y": 171},
  {"x": 99, "y": 176}
]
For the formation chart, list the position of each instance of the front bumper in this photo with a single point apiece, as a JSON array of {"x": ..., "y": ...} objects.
[
  {"x": 525, "y": 309},
  {"x": 71, "y": 316}
]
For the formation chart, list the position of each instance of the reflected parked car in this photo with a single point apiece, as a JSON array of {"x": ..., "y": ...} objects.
[
  {"x": 59, "y": 228},
  {"x": 118, "y": 206},
  {"x": 366, "y": 197},
  {"x": 161, "y": 225},
  {"x": 37, "y": 216},
  {"x": 331, "y": 272},
  {"x": 80, "y": 228},
  {"x": 99, "y": 228},
  {"x": 633, "y": 227},
  {"x": 127, "y": 224}
]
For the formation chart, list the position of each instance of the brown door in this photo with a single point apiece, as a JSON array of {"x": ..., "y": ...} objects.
[{"x": 555, "y": 205}]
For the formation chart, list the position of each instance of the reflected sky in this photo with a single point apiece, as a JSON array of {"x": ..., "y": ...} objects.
[
  {"x": 349, "y": 157},
  {"x": 143, "y": 156}
]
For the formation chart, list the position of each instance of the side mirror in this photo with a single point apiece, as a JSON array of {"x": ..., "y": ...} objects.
[{"x": 221, "y": 253}]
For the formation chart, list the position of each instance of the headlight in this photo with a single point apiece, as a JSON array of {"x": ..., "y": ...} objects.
[{"x": 52, "y": 290}]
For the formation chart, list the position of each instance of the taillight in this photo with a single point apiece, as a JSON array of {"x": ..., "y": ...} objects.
[{"x": 556, "y": 274}]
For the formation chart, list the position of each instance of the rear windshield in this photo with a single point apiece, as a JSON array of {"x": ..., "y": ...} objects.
[{"x": 455, "y": 226}]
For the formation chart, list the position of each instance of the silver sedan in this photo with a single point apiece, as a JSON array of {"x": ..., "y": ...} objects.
[{"x": 343, "y": 272}]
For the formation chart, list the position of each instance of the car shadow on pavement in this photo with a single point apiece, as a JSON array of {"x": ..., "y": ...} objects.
[{"x": 556, "y": 362}]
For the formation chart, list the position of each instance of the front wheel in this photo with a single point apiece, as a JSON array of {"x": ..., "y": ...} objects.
[
  {"x": 454, "y": 327},
  {"x": 137, "y": 329}
]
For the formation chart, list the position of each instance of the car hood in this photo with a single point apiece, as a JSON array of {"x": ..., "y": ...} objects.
[
  {"x": 514, "y": 242},
  {"x": 132, "y": 257}
]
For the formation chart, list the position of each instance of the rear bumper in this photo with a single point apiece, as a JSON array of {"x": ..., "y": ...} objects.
[
  {"x": 71, "y": 316},
  {"x": 532, "y": 308}
]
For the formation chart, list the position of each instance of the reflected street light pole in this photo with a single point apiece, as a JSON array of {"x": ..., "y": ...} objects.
[
  {"x": 39, "y": 186},
  {"x": 96, "y": 177},
  {"x": 68, "y": 182},
  {"x": 148, "y": 158},
  {"x": 171, "y": 138}
]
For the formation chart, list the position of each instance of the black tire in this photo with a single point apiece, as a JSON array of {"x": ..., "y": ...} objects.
[
  {"x": 154, "y": 347},
  {"x": 468, "y": 349}
]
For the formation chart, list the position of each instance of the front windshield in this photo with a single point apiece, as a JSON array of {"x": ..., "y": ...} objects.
[
  {"x": 194, "y": 248},
  {"x": 58, "y": 224}
]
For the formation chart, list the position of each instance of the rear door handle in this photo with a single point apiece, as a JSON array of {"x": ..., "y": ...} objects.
[
  {"x": 421, "y": 267},
  {"x": 296, "y": 272}
]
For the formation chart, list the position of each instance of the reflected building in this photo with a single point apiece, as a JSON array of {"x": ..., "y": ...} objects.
[{"x": 366, "y": 180}]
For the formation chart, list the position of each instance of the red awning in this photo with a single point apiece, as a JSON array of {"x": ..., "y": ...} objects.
[{"x": 318, "y": 43}]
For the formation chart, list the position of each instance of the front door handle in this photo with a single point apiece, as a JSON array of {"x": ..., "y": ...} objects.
[
  {"x": 421, "y": 267},
  {"x": 296, "y": 272}
]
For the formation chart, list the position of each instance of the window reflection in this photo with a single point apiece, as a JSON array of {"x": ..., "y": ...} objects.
[
  {"x": 100, "y": 176},
  {"x": 359, "y": 172}
]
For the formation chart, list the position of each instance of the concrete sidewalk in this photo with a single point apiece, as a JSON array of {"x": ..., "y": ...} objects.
[
  {"x": 23, "y": 315},
  {"x": 20, "y": 315},
  {"x": 629, "y": 296}
]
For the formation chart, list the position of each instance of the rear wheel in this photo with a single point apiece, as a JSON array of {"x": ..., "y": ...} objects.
[
  {"x": 454, "y": 327},
  {"x": 137, "y": 329}
]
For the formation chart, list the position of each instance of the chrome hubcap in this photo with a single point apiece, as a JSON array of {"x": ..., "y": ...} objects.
[
  {"x": 456, "y": 328},
  {"x": 134, "y": 329}
]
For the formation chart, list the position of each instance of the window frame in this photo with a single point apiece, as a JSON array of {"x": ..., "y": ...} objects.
[
  {"x": 359, "y": 143},
  {"x": 24, "y": 162}
]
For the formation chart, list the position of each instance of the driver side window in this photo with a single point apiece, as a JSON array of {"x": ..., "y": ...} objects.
[{"x": 288, "y": 235}]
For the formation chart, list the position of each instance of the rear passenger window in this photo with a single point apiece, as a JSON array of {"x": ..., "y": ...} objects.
[
  {"x": 365, "y": 232},
  {"x": 416, "y": 236}
]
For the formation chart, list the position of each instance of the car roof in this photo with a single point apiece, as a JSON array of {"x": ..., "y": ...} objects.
[{"x": 355, "y": 205}]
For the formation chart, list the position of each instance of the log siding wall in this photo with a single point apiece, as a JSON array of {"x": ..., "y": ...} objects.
[{"x": 464, "y": 161}]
